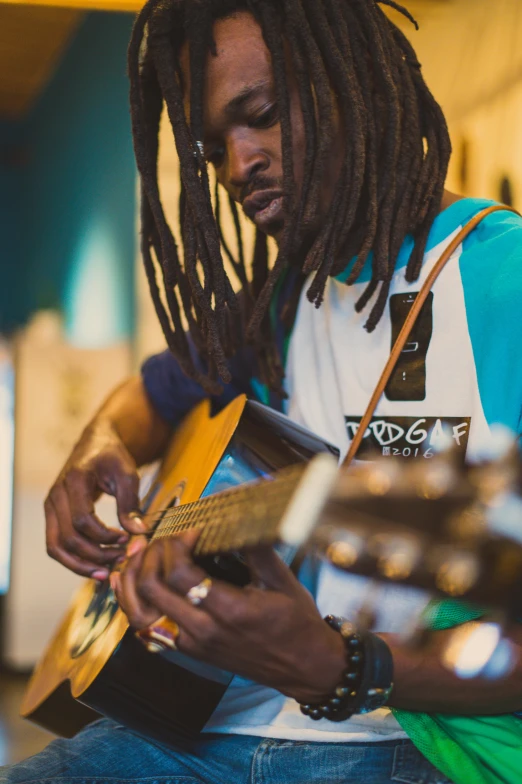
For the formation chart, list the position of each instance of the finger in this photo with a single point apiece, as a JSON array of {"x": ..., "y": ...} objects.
[
  {"x": 269, "y": 569},
  {"x": 139, "y": 612},
  {"x": 73, "y": 541},
  {"x": 82, "y": 489},
  {"x": 136, "y": 544},
  {"x": 118, "y": 476},
  {"x": 85, "y": 568},
  {"x": 176, "y": 571}
]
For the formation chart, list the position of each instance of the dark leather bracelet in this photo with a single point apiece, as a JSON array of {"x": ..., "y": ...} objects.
[{"x": 367, "y": 680}]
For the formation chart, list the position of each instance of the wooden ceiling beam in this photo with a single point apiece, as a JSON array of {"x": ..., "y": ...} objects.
[{"x": 82, "y": 5}]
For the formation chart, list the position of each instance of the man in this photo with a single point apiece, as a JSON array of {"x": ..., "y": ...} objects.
[{"x": 317, "y": 121}]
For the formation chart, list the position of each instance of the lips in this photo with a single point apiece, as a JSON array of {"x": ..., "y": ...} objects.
[{"x": 264, "y": 207}]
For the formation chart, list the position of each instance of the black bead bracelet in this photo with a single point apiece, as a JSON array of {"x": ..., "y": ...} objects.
[{"x": 367, "y": 680}]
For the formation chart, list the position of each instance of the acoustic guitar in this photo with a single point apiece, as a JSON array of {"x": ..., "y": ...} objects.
[
  {"x": 249, "y": 475},
  {"x": 95, "y": 665}
]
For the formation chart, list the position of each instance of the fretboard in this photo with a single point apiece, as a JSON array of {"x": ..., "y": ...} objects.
[{"x": 242, "y": 516}]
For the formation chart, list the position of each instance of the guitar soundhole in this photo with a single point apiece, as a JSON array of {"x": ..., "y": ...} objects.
[{"x": 101, "y": 610}]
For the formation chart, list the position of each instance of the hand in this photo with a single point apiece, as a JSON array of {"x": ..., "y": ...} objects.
[
  {"x": 273, "y": 634},
  {"x": 76, "y": 537}
]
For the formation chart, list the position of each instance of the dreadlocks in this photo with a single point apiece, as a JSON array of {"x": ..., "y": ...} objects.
[{"x": 348, "y": 58}]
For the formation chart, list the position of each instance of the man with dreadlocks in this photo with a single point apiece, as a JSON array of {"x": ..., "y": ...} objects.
[{"x": 316, "y": 119}]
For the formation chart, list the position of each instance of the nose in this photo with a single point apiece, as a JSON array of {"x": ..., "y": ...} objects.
[{"x": 245, "y": 159}]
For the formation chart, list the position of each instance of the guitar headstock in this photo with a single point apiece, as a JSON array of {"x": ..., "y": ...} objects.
[{"x": 451, "y": 529}]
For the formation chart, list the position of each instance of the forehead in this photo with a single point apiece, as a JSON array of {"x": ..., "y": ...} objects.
[{"x": 242, "y": 59}]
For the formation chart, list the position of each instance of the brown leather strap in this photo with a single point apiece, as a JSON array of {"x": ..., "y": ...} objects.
[{"x": 409, "y": 324}]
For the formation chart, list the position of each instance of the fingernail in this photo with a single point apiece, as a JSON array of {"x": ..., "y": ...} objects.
[
  {"x": 123, "y": 539},
  {"x": 120, "y": 559},
  {"x": 135, "y": 546},
  {"x": 100, "y": 574},
  {"x": 138, "y": 522}
]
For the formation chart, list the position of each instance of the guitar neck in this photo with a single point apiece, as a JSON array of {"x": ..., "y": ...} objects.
[{"x": 240, "y": 517}]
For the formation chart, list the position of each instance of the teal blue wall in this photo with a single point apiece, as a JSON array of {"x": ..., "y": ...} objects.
[
  {"x": 75, "y": 195},
  {"x": 12, "y": 169}
]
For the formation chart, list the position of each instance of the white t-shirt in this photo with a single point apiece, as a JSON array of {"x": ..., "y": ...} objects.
[{"x": 462, "y": 373}]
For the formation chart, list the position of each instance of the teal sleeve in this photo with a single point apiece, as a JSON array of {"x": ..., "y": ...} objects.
[{"x": 491, "y": 272}]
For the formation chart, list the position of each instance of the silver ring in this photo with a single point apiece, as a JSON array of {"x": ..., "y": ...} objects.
[{"x": 199, "y": 592}]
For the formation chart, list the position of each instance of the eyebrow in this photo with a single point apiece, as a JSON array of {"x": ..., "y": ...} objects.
[{"x": 246, "y": 94}]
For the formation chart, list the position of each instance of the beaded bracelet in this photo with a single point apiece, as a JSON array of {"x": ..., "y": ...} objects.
[{"x": 367, "y": 680}]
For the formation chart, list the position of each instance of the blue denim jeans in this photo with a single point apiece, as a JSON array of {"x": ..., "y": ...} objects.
[{"x": 107, "y": 753}]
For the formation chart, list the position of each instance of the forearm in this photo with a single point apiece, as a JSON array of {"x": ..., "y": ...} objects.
[
  {"x": 130, "y": 414},
  {"x": 422, "y": 682}
]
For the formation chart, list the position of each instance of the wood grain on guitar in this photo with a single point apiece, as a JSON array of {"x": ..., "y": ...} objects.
[{"x": 433, "y": 525}]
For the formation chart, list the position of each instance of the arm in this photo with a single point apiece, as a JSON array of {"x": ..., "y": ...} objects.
[
  {"x": 422, "y": 682},
  {"x": 129, "y": 416}
]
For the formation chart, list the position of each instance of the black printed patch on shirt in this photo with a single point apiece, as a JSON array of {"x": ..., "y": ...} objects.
[
  {"x": 408, "y": 380},
  {"x": 408, "y": 437}
]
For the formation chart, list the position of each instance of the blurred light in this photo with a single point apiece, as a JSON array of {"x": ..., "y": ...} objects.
[
  {"x": 94, "y": 307},
  {"x": 471, "y": 648},
  {"x": 6, "y": 462}
]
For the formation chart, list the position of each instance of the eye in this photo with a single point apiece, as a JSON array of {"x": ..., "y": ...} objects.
[{"x": 268, "y": 117}]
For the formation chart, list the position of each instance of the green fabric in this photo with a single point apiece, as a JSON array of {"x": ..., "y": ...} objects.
[{"x": 467, "y": 749}]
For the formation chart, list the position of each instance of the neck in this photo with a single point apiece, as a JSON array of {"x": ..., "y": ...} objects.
[{"x": 449, "y": 198}]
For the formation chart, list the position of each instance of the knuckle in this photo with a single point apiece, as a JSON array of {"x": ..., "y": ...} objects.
[
  {"x": 53, "y": 551},
  {"x": 180, "y": 576},
  {"x": 69, "y": 543},
  {"x": 81, "y": 523},
  {"x": 236, "y": 616}
]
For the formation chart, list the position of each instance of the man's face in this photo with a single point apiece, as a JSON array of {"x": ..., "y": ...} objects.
[{"x": 242, "y": 137}]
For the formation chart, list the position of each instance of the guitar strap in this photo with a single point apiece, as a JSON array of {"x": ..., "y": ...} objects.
[{"x": 410, "y": 323}]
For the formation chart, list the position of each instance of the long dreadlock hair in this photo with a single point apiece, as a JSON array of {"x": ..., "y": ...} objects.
[{"x": 348, "y": 57}]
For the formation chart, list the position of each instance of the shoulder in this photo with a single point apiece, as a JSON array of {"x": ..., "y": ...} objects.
[{"x": 491, "y": 261}]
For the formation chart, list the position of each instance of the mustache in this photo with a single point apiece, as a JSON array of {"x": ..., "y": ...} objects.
[{"x": 260, "y": 183}]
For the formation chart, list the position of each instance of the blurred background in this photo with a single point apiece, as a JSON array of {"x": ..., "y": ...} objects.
[{"x": 75, "y": 313}]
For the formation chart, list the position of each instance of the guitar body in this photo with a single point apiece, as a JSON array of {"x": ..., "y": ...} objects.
[{"x": 95, "y": 665}]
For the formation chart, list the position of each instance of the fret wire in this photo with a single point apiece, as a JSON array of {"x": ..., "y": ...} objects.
[{"x": 223, "y": 528}]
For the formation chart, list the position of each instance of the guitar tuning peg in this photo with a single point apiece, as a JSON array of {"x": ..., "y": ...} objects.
[
  {"x": 380, "y": 477},
  {"x": 345, "y": 550},
  {"x": 435, "y": 480},
  {"x": 398, "y": 555},
  {"x": 457, "y": 573},
  {"x": 469, "y": 524}
]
